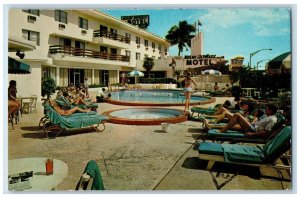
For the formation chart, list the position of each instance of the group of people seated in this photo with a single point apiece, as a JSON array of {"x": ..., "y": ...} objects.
[{"x": 248, "y": 119}]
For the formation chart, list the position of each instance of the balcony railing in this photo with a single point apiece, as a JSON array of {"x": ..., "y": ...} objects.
[
  {"x": 110, "y": 35},
  {"x": 86, "y": 53}
]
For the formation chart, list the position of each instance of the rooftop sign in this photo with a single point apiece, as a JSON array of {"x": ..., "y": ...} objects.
[
  {"x": 142, "y": 21},
  {"x": 202, "y": 60}
]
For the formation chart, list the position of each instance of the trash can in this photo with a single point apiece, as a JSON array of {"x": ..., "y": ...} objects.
[{"x": 165, "y": 127}]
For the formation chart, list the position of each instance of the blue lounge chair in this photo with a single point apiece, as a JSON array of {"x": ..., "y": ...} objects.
[
  {"x": 234, "y": 136},
  {"x": 63, "y": 102},
  {"x": 261, "y": 156},
  {"x": 55, "y": 121}
]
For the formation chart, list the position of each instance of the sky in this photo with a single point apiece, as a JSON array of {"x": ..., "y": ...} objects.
[{"x": 227, "y": 31}]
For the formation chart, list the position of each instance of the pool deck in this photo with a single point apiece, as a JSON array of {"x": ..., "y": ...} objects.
[{"x": 139, "y": 158}]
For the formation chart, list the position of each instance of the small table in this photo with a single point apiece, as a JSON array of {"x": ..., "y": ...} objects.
[{"x": 40, "y": 181}]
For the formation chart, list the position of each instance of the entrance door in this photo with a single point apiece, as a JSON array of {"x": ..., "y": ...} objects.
[
  {"x": 103, "y": 30},
  {"x": 76, "y": 76},
  {"x": 105, "y": 79},
  {"x": 79, "y": 48}
]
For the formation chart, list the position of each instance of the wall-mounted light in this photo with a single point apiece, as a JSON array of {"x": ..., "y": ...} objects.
[{"x": 20, "y": 54}]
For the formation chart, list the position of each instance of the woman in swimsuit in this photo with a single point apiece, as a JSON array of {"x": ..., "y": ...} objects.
[
  {"x": 188, "y": 81},
  {"x": 67, "y": 112}
]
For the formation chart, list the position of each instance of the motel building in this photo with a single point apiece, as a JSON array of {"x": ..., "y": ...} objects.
[{"x": 71, "y": 45}]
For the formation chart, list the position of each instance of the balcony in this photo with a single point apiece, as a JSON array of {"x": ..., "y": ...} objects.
[
  {"x": 77, "y": 52},
  {"x": 111, "y": 39}
]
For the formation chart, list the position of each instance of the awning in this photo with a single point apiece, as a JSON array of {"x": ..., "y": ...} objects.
[
  {"x": 282, "y": 59},
  {"x": 17, "y": 67}
]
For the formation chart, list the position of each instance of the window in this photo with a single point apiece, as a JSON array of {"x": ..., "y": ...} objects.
[
  {"x": 153, "y": 45},
  {"x": 159, "y": 48},
  {"x": 166, "y": 49},
  {"x": 146, "y": 43},
  {"x": 127, "y": 53},
  {"x": 31, "y": 36},
  {"x": 103, "y": 49},
  {"x": 127, "y": 35},
  {"x": 138, "y": 56},
  {"x": 61, "y": 16},
  {"x": 34, "y": 12},
  {"x": 138, "y": 40},
  {"x": 83, "y": 23}
]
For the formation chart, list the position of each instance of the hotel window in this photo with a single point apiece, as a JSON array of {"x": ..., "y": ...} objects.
[
  {"x": 153, "y": 45},
  {"x": 61, "y": 16},
  {"x": 83, "y": 23},
  {"x": 166, "y": 49},
  {"x": 31, "y": 36},
  {"x": 138, "y": 40},
  {"x": 159, "y": 48},
  {"x": 146, "y": 43},
  {"x": 138, "y": 56},
  {"x": 127, "y": 53},
  {"x": 34, "y": 12},
  {"x": 127, "y": 35}
]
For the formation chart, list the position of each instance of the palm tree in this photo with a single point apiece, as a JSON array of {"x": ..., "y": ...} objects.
[
  {"x": 181, "y": 35},
  {"x": 148, "y": 64}
]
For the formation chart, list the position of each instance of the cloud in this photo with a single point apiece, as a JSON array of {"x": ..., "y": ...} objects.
[{"x": 262, "y": 21}]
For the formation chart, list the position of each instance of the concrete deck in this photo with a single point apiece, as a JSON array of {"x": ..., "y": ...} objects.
[{"x": 138, "y": 157}]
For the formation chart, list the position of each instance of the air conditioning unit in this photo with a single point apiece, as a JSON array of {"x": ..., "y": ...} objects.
[
  {"x": 83, "y": 31},
  {"x": 31, "y": 18},
  {"x": 61, "y": 26},
  {"x": 153, "y": 50},
  {"x": 146, "y": 48}
]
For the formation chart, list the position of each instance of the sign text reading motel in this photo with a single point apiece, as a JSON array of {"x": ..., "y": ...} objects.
[
  {"x": 142, "y": 21},
  {"x": 202, "y": 60}
]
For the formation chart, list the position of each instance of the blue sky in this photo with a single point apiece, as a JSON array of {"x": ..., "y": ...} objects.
[{"x": 227, "y": 31}]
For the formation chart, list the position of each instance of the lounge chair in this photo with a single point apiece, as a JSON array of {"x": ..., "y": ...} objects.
[
  {"x": 62, "y": 101},
  {"x": 261, "y": 156},
  {"x": 234, "y": 136},
  {"x": 55, "y": 121},
  {"x": 199, "y": 111}
]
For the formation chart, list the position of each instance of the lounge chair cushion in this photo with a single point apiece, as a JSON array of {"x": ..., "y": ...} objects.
[
  {"x": 243, "y": 154},
  {"x": 210, "y": 148},
  {"x": 73, "y": 121},
  {"x": 229, "y": 133},
  {"x": 278, "y": 145}
]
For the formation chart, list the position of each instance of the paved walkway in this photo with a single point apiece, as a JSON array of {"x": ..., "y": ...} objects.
[{"x": 137, "y": 157}]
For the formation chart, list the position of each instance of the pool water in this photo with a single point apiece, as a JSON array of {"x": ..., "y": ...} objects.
[
  {"x": 153, "y": 96},
  {"x": 140, "y": 114}
]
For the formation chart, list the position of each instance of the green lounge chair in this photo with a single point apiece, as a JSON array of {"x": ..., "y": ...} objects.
[
  {"x": 234, "y": 136},
  {"x": 55, "y": 121},
  {"x": 63, "y": 102},
  {"x": 261, "y": 156}
]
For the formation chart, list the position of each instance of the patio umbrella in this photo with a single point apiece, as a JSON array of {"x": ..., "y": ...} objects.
[
  {"x": 211, "y": 72},
  {"x": 17, "y": 67},
  {"x": 135, "y": 73}
]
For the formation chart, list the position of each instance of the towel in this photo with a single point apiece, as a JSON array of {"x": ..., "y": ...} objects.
[{"x": 93, "y": 170}]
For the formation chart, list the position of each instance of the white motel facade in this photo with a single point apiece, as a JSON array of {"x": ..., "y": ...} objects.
[{"x": 71, "y": 45}]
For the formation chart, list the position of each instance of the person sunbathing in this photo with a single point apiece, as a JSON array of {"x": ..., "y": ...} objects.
[
  {"x": 223, "y": 112},
  {"x": 66, "y": 112},
  {"x": 240, "y": 123}
]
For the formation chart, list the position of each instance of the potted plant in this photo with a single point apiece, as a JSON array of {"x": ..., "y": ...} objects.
[{"x": 48, "y": 87}]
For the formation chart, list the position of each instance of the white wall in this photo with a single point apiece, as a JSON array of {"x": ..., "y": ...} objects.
[{"x": 28, "y": 84}]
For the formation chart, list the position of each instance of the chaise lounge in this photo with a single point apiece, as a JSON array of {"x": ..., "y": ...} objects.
[
  {"x": 54, "y": 121},
  {"x": 261, "y": 156}
]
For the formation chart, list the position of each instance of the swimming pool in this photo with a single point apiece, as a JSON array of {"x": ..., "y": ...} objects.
[
  {"x": 146, "y": 116},
  {"x": 155, "y": 98}
]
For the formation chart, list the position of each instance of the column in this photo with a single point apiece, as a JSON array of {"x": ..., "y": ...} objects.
[
  {"x": 57, "y": 76},
  {"x": 93, "y": 76}
]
